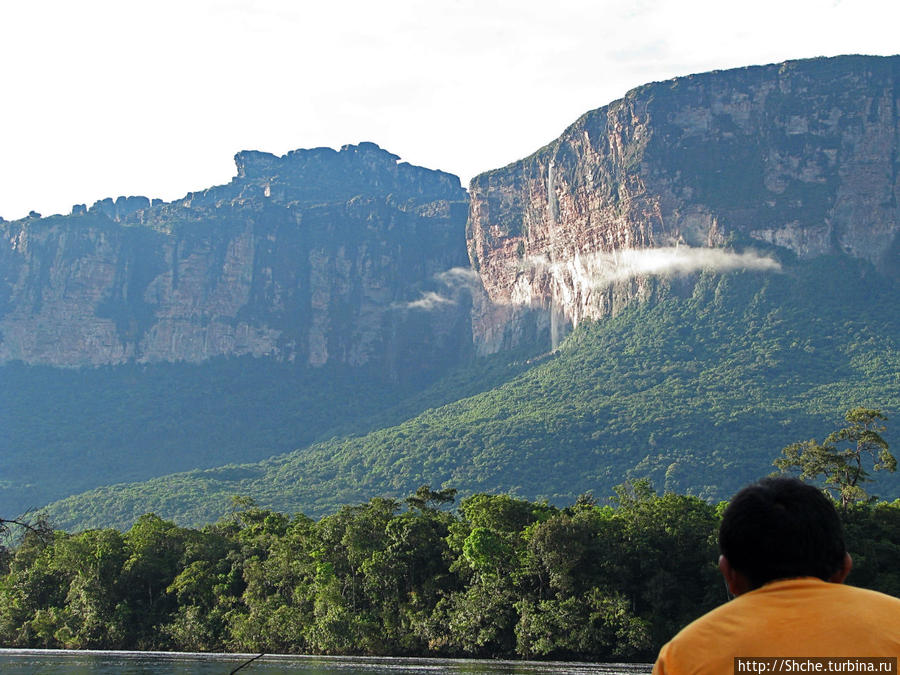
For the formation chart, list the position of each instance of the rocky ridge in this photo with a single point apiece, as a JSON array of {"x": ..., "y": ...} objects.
[
  {"x": 802, "y": 155},
  {"x": 313, "y": 257},
  {"x": 352, "y": 257}
]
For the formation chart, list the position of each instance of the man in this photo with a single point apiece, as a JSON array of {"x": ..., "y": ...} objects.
[{"x": 783, "y": 556}]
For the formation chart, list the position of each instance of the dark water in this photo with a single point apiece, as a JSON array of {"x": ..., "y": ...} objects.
[{"x": 39, "y": 661}]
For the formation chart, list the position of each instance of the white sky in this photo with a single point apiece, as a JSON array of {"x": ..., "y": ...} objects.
[{"x": 154, "y": 97}]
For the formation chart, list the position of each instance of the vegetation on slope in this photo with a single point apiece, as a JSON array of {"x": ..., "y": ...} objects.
[
  {"x": 134, "y": 422},
  {"x": 696, "y": 390}
]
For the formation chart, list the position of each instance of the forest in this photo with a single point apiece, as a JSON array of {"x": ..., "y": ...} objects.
[
  {"x": 694, "y": 389},
  {"x": 494, "y": 576}
]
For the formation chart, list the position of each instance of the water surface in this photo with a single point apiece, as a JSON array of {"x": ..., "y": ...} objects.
[{"x": 42, "y": 661}]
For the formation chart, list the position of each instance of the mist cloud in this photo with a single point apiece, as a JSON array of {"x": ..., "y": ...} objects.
[
  {"x": 429, "y": 301},
  {"x": 452, "y": 280},
  {"x": 598, "y": 270},
  {"x": 459, "y": 276}
]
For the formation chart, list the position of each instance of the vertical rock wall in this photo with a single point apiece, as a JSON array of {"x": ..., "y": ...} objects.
[
  {"x": 802, "y": 155},
  {"x": 318, "y": 256}
]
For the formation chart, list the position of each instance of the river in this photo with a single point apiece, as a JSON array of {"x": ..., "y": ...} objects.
[{"x": 46, "y": 662}]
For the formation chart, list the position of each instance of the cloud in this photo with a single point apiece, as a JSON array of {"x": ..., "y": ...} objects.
[
  {"x": 452, "y": 280},
  {"x": 598, "y": 270},
  {"x": 429, "y": 300},
  {"x": 458, "y": 276}
]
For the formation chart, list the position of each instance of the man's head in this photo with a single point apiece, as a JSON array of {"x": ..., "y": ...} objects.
[{"x": 781, "y": 528}]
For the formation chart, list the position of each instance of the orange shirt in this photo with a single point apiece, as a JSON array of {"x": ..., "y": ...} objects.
[{"x": 804, "y": 617}]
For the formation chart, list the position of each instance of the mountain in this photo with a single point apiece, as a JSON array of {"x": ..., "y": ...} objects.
[
  {"x": 315, "y": 257},
  {"x": 721, "y": 251},
  {"x": 697, "y": 389},
  {"x": 802, "y": 155},
  {"x": 138, "y": 337}
]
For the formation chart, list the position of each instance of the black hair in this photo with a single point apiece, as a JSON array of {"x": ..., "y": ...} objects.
[{"x": 781, "y": 528}]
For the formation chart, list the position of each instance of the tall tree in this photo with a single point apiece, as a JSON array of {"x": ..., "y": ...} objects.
[{"x": 841, "y": 459}]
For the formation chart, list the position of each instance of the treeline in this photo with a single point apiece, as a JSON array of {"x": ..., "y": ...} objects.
[{"x": 499, "y": 576}]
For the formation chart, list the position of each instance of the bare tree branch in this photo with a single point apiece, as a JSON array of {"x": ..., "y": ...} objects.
[{"x": 24, "y": 524}]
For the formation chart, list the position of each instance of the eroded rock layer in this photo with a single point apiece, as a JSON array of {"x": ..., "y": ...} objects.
[
  {"x": 801, "y": 155},
  {"x": 316, "y": 256},
  {"x": 351, "y": 257}
]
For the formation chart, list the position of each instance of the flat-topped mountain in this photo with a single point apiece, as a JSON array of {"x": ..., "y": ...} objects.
[
  {"x": 801, "y": 156},
  {"x": 318, "y": 256}
]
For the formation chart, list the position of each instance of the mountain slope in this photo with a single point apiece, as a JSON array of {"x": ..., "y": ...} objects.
[
  {"x": 698, "y": 389},
  {"x": 65, "y": 431},
  {"x": 139, "y": 338}
]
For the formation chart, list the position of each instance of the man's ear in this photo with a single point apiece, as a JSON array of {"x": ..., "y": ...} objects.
[
  {"x": 839, "y": 576},
  {"x": 737, "y": 583}
]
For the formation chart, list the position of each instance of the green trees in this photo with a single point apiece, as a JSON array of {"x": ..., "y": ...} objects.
[
  {"x": 578, "y": 606},
  {"x": 498, "y": 577},
  {"x": 841, "y": 459}
]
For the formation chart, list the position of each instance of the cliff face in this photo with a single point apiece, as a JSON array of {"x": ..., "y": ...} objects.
[
  {"x": 318, "y": 256},
  {"x": 802, "y": 155},
  {"x": 351, "y": 257}
]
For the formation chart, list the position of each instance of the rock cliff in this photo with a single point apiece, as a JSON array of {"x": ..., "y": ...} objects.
[
  {"x": 351, "y": 257},
  {"x": 317, "y": 256},
  {"x": 802, "y": 155}
]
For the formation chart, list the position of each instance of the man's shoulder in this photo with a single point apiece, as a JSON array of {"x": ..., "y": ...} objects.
[
  {"x": 866, "y": 597},
  {"x": 868, "y": 592},
  {"x": 766, "y": 620},
  {"x": 877, "y": 596},
  {"x": 802, "y": 596}
]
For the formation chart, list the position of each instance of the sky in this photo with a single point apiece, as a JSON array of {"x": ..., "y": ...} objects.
[{"x": 135, "y": 97}]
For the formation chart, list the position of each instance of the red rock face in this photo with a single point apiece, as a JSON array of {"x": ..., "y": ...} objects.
[{"x": 801, "y": 155}]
